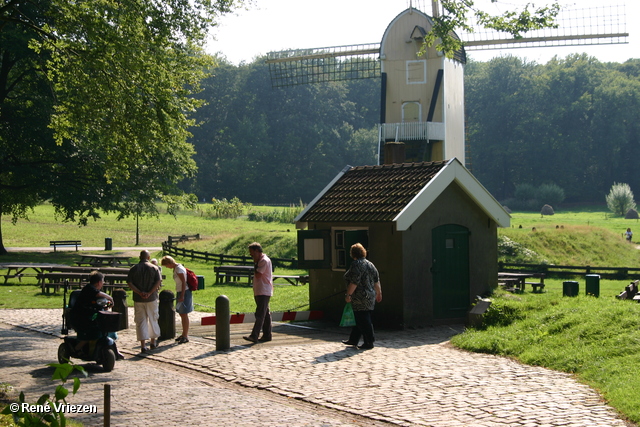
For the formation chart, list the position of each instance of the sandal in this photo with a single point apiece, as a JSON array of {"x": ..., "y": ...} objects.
[
  {"x": 183, "y": 340},
  {"x": 179, "y": 338}
]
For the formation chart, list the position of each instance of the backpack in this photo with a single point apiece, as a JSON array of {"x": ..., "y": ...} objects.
[{"x": 192, "y": 280}]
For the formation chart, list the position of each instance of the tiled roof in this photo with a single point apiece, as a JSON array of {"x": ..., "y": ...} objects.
[{"x": 372, "y": 193}]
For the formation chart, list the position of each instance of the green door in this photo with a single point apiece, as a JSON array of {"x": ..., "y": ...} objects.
[{"x": 450, "y": 271}]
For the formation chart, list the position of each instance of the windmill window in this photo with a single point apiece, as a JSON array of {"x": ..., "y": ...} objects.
[
  {"x": 416, "y": 72},
  {"x": 411, "y": 112}
]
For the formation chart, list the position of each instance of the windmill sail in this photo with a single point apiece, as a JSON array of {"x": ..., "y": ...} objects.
[
  {"x": 585, "y": 26},
  {"x": 325, "y": 64}
]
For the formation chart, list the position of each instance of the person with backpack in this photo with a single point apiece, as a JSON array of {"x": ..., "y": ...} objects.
[{"x": 184, "y": 298}]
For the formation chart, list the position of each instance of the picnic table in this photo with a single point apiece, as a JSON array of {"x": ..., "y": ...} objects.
[
  {"x": 104, "y": 260},
  {"x": 78, "y": 279},
  {"x": 18, "y": 270},
  {"x": 518, "y": 281}
]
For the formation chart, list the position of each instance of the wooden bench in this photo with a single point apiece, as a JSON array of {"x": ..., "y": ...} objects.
[
  {"x": 183, "y": 238},
  {"x": 630, "y": 291},
  {"x": 294, "y": 280},
  {"x": 538, "y": 287},
  {"x": 12, "y": 276},
  {"x": 233, "y": 273},
  {"x": 56, "y": 243}
]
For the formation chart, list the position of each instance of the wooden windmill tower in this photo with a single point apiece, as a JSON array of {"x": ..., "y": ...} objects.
[{"x": 422, "y": 96}]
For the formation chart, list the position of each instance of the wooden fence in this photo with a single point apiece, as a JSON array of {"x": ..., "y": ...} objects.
[
  {"x": 615, "y": 273},
  {"x": 223, "y": 259}
]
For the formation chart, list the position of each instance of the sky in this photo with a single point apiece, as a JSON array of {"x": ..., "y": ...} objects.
[{"x": 273, "y": 25}]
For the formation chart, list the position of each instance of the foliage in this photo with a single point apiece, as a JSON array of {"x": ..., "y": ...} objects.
[
  {"x": 528, "y": 197},
  {"x": 265, "y": 146},
  {"x": 569, "y": 122},
  {"x": 227, "y": 208},
  {"x": 54, "y": 416},
  {"x": 510, "y": 251},
  {"x": 457, "y": 13},
  {"x": 620, "y": 199},
  {"x": 283, "y": 215},
  {"x": 594, "y": 338},
  {"x": 99, "y": 94}
]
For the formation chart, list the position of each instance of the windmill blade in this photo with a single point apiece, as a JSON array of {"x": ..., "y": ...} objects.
[
  {"x": 325, "y": 64},
  {"x": 586, "y": 26}
]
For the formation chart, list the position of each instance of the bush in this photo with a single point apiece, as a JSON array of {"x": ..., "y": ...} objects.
[
  {"x": 620, "y": 199},
  {"x": 510, "y": 251},
  {"x": 227, "y": 208},
  {"x": 282, "y": 215},
  {"x": 550, "y": 194},
  {"x": 530, "y": 198}
]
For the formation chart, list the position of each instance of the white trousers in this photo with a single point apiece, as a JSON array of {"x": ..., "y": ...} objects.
[{"x": 146, "y": 317}]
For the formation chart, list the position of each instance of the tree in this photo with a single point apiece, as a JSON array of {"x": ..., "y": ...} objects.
[
  {"x": 620, "y": 199},
  {"x": 457, "y": 12},
  {"x": 95, "y": 99}
]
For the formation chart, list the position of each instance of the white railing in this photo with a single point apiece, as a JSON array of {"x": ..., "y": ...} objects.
[{"x": 403, "y": 131}]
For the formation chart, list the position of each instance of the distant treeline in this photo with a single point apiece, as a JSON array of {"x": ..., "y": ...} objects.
[{"x": 572, "y": 122}]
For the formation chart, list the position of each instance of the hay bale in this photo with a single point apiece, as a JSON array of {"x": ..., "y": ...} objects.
[
  {"x": 547, "y": 210},
  {"x": 631, "y": 214}
]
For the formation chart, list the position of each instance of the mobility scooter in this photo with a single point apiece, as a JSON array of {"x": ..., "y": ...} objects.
[{"x": 102, "y": 350}]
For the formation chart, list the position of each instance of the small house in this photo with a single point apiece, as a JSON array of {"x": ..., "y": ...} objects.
[{"x": 430, "y": 228}]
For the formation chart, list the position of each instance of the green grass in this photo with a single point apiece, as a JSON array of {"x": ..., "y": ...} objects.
[
  {"x": 593, "y": 217},
  {"x": 597, "y": 339},
  {"x": 42, "y": 227},
  {"x": 575, "y": 238}
]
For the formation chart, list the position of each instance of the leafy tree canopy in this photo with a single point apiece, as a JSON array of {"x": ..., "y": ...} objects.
[
  {"x": 95, "y": 99},
  {"x": 458, "y": 12}
]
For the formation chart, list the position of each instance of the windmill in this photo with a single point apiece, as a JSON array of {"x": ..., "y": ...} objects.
[{"x": 422, "y": 96}]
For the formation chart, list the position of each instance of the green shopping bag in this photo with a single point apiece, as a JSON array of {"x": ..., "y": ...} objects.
[{"x": 348, "y": 318}]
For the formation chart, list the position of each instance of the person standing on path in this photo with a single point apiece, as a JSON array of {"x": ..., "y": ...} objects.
[
  {"x": 144, "y": 279},
  {"x": 363, "y": 291},
  {"x": 262, "y": 293},
  {"x": 184, "y": 298},
  {"x": 628, "y": 235}
]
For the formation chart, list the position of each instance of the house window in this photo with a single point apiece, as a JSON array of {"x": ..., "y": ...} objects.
[
  {"x": 343, "y": 239},
  {"x": 313, "y": 249},
  {"x": 416, "y": 72}
]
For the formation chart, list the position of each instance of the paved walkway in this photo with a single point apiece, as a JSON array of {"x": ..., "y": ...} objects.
[{"x": 410, "y": 378}]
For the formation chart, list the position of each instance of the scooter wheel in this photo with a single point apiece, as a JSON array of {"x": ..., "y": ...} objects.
[
  {"x": 108, "y": 360},
  {"x": 64, "y": 354}
]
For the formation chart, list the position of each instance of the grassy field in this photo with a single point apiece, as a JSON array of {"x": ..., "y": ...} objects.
[{"x": 597, "y": 339}]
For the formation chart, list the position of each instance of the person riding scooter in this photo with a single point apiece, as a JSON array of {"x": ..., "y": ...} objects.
[{"x": 84, "y": 313}]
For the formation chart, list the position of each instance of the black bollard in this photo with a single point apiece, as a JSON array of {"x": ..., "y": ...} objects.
[
  {"x": 120, "y": 306},
  {"x": 167, "y": 318},
  {"x": 223, "y": 327}
]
